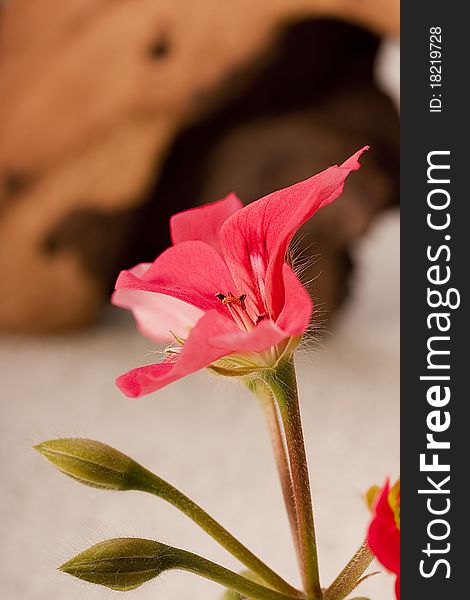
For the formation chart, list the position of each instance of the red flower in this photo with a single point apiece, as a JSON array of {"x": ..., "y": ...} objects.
[
  {"x": 383, "y": 536},
  {"x": 223, "y": 293}
]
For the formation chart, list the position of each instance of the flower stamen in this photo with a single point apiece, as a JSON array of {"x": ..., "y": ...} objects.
[
  {"x": 231, "y": 299},
  {"x": 237, "y": 308}
]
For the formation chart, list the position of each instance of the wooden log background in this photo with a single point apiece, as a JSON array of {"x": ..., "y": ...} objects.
[{"x": 97, "y": 101}]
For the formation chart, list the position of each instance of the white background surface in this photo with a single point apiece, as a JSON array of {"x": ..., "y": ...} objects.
[{"x": 204, "y": 435}]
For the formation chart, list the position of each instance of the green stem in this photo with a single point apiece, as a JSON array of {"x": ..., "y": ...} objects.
[
  {"x": 187, "y": 561},
  {"x": 265, "y": 396},
  {"x": 146, "y": 481},
  {"x": 284, "y": 387},
  {"x": 349, "y": 577}
]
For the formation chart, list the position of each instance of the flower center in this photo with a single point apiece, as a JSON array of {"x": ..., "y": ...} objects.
[{"x": 236, "y": 306}]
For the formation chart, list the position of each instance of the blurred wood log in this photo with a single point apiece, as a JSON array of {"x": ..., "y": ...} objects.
[{"x": 92, "y": 94}]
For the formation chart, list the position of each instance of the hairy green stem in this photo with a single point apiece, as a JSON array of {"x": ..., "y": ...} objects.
[
  {"x": 349, "y": 577},
  {"x": 95, "y": 464},
  {"x": 283, "y": 384},
  {"x": 265, "y": 396},
  {"x": 125, "y": 564},
  {"x": 193, "y": 563},
  {"x": 148, "y": 482}
]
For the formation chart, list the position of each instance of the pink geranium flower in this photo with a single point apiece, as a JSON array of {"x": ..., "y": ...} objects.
[
  {"x": 383, "y": 536},
  {"x": 223, "y": 294}
]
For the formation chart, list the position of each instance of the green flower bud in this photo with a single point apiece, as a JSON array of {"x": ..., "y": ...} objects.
[
  {"x": 98, "y": 465},
  {"x": 126, "y": 563},
  {"x": 121, "y": 564},
  {"x": 90, "y": 462}
]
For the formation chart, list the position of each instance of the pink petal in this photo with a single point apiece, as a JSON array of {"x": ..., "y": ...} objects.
[
  {"x": 254, "y": 240},
  {"x": 384, "y": 536},
  {"x": 262, "y": 337},
  {"x": 143, "y": 380},
  {"x": 213, "y": 337},
  {"x": 158, "y": 315},
  {"x": 297, "y": 310},
  {"x": 140, "y": 269},
  {"x": 196, "y": 354},
  {"x": 190, "y": 271},
  {"x": 132, "y": 278},
  {"x": 204, "y": 223}
]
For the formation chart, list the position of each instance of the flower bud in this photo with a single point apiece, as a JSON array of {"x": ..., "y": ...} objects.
[
  {"x": 124, "y": 564},
  {"x": 91, "y": 462},
  {"x": 121, "y": 564}
]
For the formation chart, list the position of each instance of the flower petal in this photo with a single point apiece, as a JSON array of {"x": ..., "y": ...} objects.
[
  {"x": 397, "y": 588},
  {"x": 190, "y": 271},
  {"x": 140, "y": 269},
  {"x": 146, "y": 379},
  {"x": 157, "y": 315},
  {"x": 204, "y": 222},
  {"x": 297, "y": 310},
  {"x": 384, "y": 536},
  {"x": 254, "y": 240},
  {"x": 132, "y": 278},
  {"x": 213, "y": 337},
  {"x": 258, "y": 339},
  {"x": 197, "y": 353}
]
